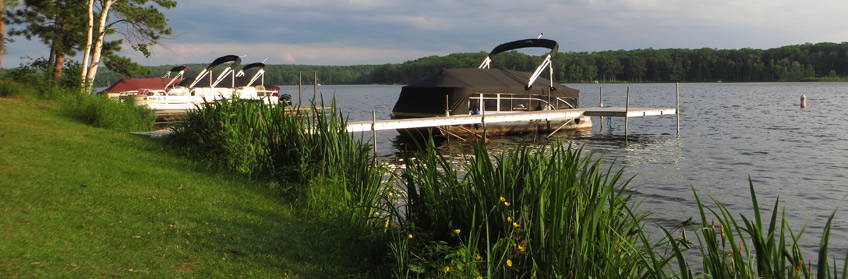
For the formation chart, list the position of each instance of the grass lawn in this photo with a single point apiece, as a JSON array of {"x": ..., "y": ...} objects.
[{"x": 82, "y": 202}]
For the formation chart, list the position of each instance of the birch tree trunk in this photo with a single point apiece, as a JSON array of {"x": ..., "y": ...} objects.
[
  {"x": 98, "y": 44},
  {"x": 87, "y": 50}
]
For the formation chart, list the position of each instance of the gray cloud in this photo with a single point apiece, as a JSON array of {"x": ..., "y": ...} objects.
[{"x": 391, "y": 31}]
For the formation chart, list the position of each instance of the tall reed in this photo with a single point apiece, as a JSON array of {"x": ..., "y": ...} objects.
[
  {"x": 546, "y": 212},
  {"x": 308, "y": 150},
  {"x": 729, "y": 249}
]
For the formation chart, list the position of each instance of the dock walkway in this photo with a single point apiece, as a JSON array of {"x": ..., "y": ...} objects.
[{"x": 408, "y": 123}]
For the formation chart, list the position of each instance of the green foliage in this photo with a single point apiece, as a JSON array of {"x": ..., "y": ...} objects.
[
  {"x": 730, "y": 249},
  {"x": 310, "y": 149},
  {"x": 33, "y": 82},
  {"x": 102, "y": 112},
  {"x": 122, "y": 65},
  {"x": 548, "y": 212},
  {"x": 34, "y": 74}
]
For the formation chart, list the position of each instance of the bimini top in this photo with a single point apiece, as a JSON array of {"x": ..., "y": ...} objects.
[
  {"x": 201, "y": 81},
  {"x": 243, "y": 80},
  {"x": 428, "y": 96}
]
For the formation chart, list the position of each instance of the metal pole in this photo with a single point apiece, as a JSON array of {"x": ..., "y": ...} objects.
[
  {"x": 677, "y": 109},
  {"x": 447, "y": 105},
  {"x": 626, "y": 111},
  {"x": 374, "y": 131},
  {"x": 601, "y": 98},
  {"x": 483, "y": 113},
  {"x": 299, "y": 90},
  {"x": 315, "y": 86}
]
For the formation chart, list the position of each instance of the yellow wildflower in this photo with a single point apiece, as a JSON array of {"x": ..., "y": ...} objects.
[
  {"x": 506, "y": 203},
  {"x": 508, "y": 262},
  {"x": 410, "y": 236},
  {"x": 514, "y": 224},
  {"x": 456, "y": 231},
  {"x": 477, "y": 257},
  {"x": 447, "y": 269},
  {"x": 520, "y": 248},
  {"x": 479, "y": 277},
  {"x": 508, "y": 219},
  {"x": 503, "y": 199}
]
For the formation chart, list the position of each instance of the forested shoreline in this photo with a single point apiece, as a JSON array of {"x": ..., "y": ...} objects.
[{"x": 806, "y": 62}]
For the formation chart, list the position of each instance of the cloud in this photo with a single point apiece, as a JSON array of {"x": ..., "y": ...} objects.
[
  {"x": 343, "y": 32},
  {"x": 280, "y": 54}
]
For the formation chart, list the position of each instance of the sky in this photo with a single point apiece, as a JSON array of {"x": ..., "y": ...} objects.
[{"x": 352, "y": 32}]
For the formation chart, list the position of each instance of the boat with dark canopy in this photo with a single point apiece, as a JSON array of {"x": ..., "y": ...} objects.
[{"x": 486, "y": 91}]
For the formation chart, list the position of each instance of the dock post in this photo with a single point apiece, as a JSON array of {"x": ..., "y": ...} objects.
[
  {"x": 315, "y": 86},
  {"x": 483, "y": 113},
  {"x": 299, "y": 90},
  {"x": 626, "y": 111},
  {"x": 374, "y": 131},
  {"x": 601, "y": 98},
  {"x": 447, "y": 105},
  {"x": 677, "y": 108}
]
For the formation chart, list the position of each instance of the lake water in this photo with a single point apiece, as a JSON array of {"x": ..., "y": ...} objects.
[{"x": 728, "y": 131}]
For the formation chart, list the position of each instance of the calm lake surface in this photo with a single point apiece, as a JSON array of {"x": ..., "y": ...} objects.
[{"x": 728, "y": 131}]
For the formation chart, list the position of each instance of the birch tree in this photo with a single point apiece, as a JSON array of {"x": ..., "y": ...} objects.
[{"x": 140, "y": 23}]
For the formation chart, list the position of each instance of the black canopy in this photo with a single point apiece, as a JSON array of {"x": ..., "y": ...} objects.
[
  {"x": 528, "y": 43},
  {"x": 428, "y": 96},
  {"x": 243, "y": 80},
  {"x": 178, "y": 69},
  {"x": 208, "y": 78}
]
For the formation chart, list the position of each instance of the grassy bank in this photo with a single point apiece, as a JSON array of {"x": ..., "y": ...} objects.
[{"x": 82, "y": 202}]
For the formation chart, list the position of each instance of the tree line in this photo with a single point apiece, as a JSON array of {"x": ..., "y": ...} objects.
[{"x": 806, "y": 62}]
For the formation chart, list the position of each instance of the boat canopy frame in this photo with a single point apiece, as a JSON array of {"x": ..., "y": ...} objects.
[
  {"x": 259, "y": 74},
  {"x": 180, "y": 73},
  {"x": 527, "y": 43},
  {"x": 235, "y": 59}
]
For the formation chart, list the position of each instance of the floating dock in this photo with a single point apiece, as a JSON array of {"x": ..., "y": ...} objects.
[
  {"x": 625, "y": 112},
  {"x": 424, "y": 122}
]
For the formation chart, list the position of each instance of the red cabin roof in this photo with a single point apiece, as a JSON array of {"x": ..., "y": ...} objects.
[{"x": 132, "y": 84}]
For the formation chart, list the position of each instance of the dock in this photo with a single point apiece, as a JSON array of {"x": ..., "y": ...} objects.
[
  {"x": 424, "y": 122},
  {"x": 626, "y": 112}
]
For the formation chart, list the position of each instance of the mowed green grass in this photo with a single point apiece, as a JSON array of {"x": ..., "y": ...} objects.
[{"x": 83, "y": 202}]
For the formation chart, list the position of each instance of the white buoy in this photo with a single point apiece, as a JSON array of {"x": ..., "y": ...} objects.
[{"x": 803, "y": 101}]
